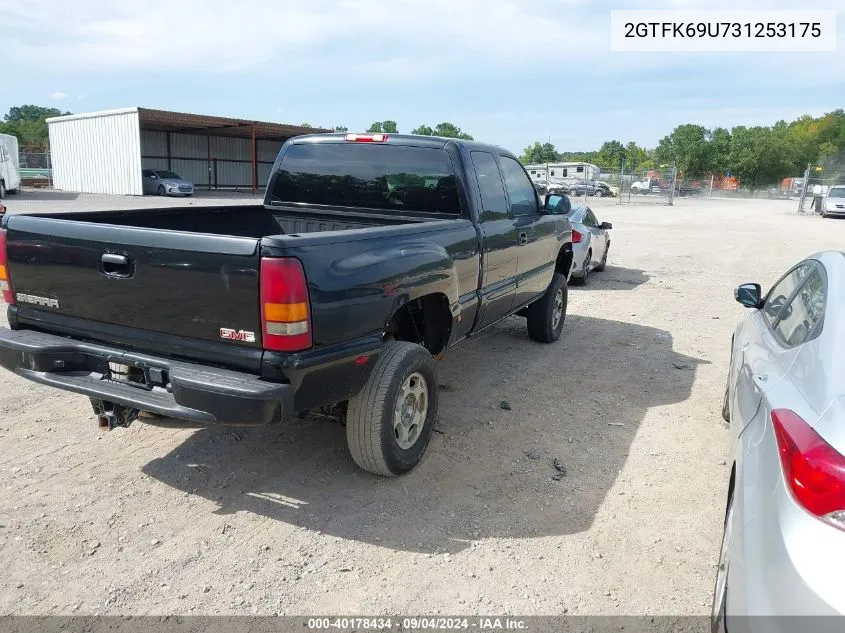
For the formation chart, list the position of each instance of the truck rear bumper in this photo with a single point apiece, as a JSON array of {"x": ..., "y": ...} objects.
[{"x": 198, "y": 393}]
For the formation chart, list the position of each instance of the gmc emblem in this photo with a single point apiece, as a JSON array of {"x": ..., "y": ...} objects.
[{"x": 237, "y": 335}]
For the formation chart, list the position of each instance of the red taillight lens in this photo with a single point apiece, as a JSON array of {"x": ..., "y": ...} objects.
[
  {"x": 5, "y": 280},
  {"x": 285, "y": 317},
  {"x": 366, "y": 138},
  {"x": 576, "y": 236},
  {"x": 813, "y": 469}
]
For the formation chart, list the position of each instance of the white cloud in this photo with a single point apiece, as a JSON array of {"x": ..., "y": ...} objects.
[{"x": 58, "y": 96}]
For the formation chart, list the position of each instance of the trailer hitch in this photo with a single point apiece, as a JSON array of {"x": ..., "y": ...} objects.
[{"x": 111, "y": 415}]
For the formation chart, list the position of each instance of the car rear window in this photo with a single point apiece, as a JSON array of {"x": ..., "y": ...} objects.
[{"x": 385, "y": 177}]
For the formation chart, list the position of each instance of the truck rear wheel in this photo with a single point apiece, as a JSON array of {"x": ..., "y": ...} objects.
[
  {"x": 390, "y": 422},
  {"x": 546, "y": 316}
]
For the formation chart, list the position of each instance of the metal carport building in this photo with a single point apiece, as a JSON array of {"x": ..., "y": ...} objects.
[{"x": 104, "y": 152}]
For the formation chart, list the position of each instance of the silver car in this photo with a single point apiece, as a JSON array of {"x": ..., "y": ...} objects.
[
  {"x": 590, "y": 243},
  {"x": 165, "y": 183},
  {"x": 783, "y": 548}
]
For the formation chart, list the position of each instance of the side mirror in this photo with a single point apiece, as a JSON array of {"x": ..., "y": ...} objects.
[
  {"x": 556, "y": 204},
  {"x": 749, "y": 295},
  {"x": 606, "y": 226}
]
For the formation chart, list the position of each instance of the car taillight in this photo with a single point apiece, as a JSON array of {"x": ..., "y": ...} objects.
[
  {"x": 813, "y": 469},
  {"x": 285, "y": 318},
  {"x": 576, "y": 236},
  {"x": 5, "y": 280},
  {"x": 366, "y": 138}
]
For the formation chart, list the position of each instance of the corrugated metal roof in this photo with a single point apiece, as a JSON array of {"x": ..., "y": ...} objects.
[
  {"x": 219, "y": 126},
  {"x": 167, "y": 121}
]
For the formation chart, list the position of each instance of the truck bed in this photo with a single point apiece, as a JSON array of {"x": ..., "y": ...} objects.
[{"x": 254, "y": 221}]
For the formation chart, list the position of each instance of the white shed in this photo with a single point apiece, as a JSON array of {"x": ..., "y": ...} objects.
[{"x": 105, "y": 152}]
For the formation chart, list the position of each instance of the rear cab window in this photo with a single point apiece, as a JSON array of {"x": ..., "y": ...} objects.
[{"x": 394, "y": 178}]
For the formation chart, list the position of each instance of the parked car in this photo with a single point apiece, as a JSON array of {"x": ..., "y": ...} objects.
[
  {"x": 784, "y": 529},
  {"x": 10, "y": 173},
  {"x": 371, "y": 255},
  {"x": 590, "y": 243},
  {"x": 607, "y": 188},
  {"x": 586, "y": 187},
  {"x": 833, "y": 202},
  {"x": 166, "y": 183}
]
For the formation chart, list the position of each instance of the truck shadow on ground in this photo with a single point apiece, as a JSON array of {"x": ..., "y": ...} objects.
[
  {"x": 509, "y": 408},
  {"x": 617, "y": 278}
]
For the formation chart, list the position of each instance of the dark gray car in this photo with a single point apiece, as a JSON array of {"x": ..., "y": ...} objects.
[{"x": 165, "y": 183}]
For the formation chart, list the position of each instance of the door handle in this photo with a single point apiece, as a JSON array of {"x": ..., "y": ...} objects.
[
  {"x": 115, "y": 265},
  {"x": 523, "y": 239}
]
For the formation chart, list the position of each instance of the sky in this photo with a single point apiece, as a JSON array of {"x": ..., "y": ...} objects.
[{"x": 509, "y": 72}]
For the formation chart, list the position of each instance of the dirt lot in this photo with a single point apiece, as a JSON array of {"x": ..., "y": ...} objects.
[{"x": 152, "y": 521}]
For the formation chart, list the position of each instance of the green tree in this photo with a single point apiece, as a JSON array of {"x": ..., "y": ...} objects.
[
  {"x": 761, "y": 156},
  {"x": 539, "y": 153},
  {"x": 637, "y": 158},
  {"x": 688, "y": 148},
  {"x": 445, "y": 129},
  {"x": 341, "y": 128},
  {"x": 31, "y": 113},
  {"x": 383, "y": 127},
  {"x": 610, "y": 154},
  {"x": 28, "y": 123}
]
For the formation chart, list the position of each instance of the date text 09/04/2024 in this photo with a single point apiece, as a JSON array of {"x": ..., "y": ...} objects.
[{"x": 417, "y": 623}]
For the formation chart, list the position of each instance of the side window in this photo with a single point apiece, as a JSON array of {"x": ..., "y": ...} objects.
[
  {"x": 781, "y": 292},
  {"x": 799, "y": 319},
  {"x": 580, "y": 169},
  {"x": 146, "y": 173},
  {"x": 565, "y": 172},
  {"x": 493, "y": 200},
  {"x": 553, "y": 172},
  {"x": 590, "y": 219},
  {"x": 522, "y": 193}
]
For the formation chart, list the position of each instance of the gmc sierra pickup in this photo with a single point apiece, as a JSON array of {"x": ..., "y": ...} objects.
[{"x": 370, "y": 256}]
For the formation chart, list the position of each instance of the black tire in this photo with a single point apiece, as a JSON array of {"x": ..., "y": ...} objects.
[
  {"x": 582, "y": 279},
  {"x": 541, "y": 314},
  {"x": 603, "y": 263},
  {"x": 161, "y": 190},
  {"x": 598, "y": 193},
  {"x": 370, "y": 429}
]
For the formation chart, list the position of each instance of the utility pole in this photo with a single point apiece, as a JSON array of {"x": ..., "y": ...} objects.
[
  {"x": 711, "y": 184},
  {"x": 804, "y": 189},
  {"x": 674, "y": 181}
]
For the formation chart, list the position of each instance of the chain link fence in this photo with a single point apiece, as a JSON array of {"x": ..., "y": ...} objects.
[{"x": 36, "y": 168}]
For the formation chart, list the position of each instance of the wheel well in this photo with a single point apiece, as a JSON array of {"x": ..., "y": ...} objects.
[
  {"x": 563, "y": 265},
  {"x": 426, "y": 321}
]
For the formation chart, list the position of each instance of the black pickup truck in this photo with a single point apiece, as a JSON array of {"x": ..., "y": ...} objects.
[{"x": 370, "y": 256}]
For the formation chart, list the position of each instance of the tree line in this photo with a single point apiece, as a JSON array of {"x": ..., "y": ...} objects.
[{"x": 758, "y": 156}]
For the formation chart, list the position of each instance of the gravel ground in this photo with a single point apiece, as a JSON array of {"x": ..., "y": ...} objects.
[{"x": 148, "y": 520}]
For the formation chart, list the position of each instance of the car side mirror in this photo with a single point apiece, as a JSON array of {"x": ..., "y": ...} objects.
[
  {"x": 749, "y": 295},
  {"x": 556, "y": 204},
  {"x": 606, "y": 226}
]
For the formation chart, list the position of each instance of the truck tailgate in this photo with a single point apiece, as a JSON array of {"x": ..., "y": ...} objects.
[{"x": 182, "y": 284}]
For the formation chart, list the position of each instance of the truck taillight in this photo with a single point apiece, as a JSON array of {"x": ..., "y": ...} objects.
[
  {"x": 285, "y": 318},
  {"x": 5, "y": 280},
  {"x": 366, "y": 138},
  {"x": 576, "y": 236},
  {"x": 814, "y": 471}
]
